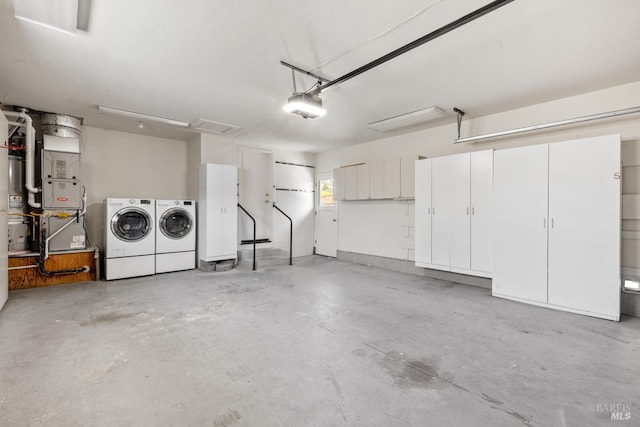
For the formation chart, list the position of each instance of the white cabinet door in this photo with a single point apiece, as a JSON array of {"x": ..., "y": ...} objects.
[
  {"x": 376, "y": 180},
  {"x": 363, "y": 182},
  {"x": 584, "y": 238},
  {"x": 481, "y": 210},
  {"x": 391, "y": 178},
  {"x": 350, "y": 175},
  {"x": 407, "y": 176},
  {"x": 217, "y": 212},
  {"x": 441, "y": 210},
  {"x": 4, "y": 201},
  {"x": 460, "y": 198},
  {"x": 520, "y": 189},
  {"x": 450, "y": 223},
  {"x": 210, "y": 212},
  {"x": 423, "y": 212},
  {"x": 229, "y": 201}
]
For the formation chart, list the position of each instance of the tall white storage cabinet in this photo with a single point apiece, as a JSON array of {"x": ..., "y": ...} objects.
[
  {"x": 4, "y": 205},
  {"x": 482, "y": 211},
  {"x": 451, "y": 232},
  {"x": 423, "y": 212},
  {"x": 520, "y": 193},
  {"x": 557, "y": 225},
  {"x": 218, "y": 212},
  {"x": 453, "y": 213}
]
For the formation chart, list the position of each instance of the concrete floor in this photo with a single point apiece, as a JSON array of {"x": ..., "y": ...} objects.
[{"x": 321, "y": 343}]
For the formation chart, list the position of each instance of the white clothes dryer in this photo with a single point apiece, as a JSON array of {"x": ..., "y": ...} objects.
[
  {"x": 130, "y": 239},
  {"x": 175, "y": 235}
]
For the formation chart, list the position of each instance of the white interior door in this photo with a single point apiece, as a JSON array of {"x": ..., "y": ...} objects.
[
  {"x": 584, "y": 238},
  {"x": 481, "y": 210},
  {"x": 326, "y": 227},
  {"x": 4, "y": 201},
  {"x": 256, "y": 192},
  {"x": 423, "y": 211},
  {"x": 520, "y": 194}
]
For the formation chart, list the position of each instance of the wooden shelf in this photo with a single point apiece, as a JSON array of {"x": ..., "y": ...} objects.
[{"x": 24, "y": 272}]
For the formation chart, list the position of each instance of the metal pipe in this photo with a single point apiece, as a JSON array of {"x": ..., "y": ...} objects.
[
  {"x": 550, "y": 125},
  {"x": 30, "y": 154},
  {"x": 22, "y": 267},
  {"x": 59, "y": 230},
  {"x": 420, "y": 41}
]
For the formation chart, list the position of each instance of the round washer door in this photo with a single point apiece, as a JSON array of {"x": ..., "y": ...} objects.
[
  {"x": 131, "y": 224},
  {"x": 176, "y": 223}
]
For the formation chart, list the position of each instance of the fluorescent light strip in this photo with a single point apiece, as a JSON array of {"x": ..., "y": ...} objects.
[
  {"x": 409, "y": 119},
  {"x": 141, "y": 116}
]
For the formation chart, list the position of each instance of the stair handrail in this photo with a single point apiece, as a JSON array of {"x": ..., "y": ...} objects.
[
  {"x": 290, "y": 233},
  {"x": 254, "y": 234}
]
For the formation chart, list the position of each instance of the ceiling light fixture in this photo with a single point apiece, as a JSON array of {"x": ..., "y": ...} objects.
[
  {"x": 409, "y": 119},
  {"x": 61, "y": 15},
  {"x": 141, "y": 116},
  {"x": 306, "y": 105}
]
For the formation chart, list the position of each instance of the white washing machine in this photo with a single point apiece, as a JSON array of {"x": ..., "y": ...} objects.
[
  {"x": 175, "y": 235},
  {"x": 130, "y": 239}
]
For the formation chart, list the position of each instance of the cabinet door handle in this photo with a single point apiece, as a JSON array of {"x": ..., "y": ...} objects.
[
  {"x": 473, "y": 211},
  {"x": 467, "y": 210},
  {"x": 433, "y": 211},
  {"x": 428, "y": 211},
  {"x": 544, "y": 222},
  {"x": 552, "y": 222}
]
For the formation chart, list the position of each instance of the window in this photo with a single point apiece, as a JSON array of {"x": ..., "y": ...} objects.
[{"x": 326, "y": 192}]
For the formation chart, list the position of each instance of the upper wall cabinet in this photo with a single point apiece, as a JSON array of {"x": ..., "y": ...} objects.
[
  {"x": 391, "y": 179},
  {"x": 407, "y": 177},
  {"x": 376, "y": 180},
  {"x": 453, "y": 213},
  {"x": 363, "y": 186},
  {"x": 387, "y": 179},
  {"x": 350, "y": 176},
  {"x": 557, "y": 225}
]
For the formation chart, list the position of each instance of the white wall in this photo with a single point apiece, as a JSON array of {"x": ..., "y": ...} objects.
[
  {"x": 363, "y": 229},
  {"x": 118, "y": 164}
]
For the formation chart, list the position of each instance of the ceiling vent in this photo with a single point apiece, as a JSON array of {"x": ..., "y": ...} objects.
[{"x": 213, "y": 127}]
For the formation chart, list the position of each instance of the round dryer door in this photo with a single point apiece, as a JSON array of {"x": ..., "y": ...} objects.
[
  {"x": 176, "y": 223},
  {"x": 131, "y": 224}
]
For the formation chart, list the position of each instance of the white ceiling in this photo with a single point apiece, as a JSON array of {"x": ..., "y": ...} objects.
[{"x": 220, "y": 60}]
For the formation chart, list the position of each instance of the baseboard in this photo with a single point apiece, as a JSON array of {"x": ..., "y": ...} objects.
[
  {"x": 405, "y": 266},
  {"x": 630, "y": 304}
]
